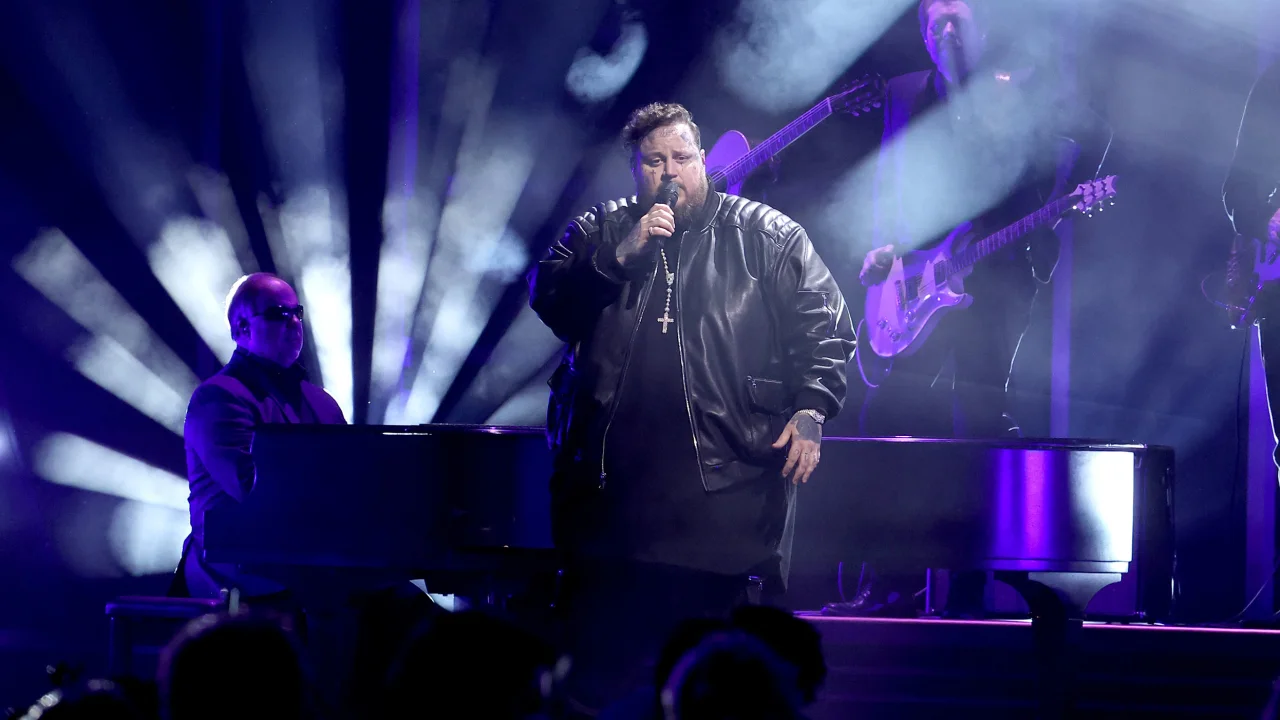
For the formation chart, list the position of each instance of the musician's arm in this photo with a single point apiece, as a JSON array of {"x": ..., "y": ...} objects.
[
  {"x": 1044, "y": 244},
  {"x": 219, "y": 428},
  {"x": 819, "y": 335},
  {"x": 1247, "y": 194},
  {"x": 577, "y": 279}
]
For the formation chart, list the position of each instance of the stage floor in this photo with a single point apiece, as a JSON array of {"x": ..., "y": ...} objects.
[{"x": 893, "y": 668}]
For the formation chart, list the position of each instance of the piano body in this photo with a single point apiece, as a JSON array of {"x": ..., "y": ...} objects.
[
  {"x": 452, "y": 501},
  {"x": 1074, "y": 514},
  {"x": 357, "y": 505}
]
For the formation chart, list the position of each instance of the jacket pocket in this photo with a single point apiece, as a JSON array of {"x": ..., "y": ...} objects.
[
  {"x": 769, "y": 403},
  {"x": 767, "y": 396}
]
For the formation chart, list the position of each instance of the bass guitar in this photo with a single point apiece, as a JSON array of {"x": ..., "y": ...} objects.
[
  {"x": 732, "y": 158},
  {"x": 924, "y": 286}
]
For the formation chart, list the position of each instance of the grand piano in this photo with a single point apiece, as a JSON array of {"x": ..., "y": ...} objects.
[
  {"x": 342, "y": 508},
  {"x": 337, "y": 508},
  {"x": 450, "y": 503}
]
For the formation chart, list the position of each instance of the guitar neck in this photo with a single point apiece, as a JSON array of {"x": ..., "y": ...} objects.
[
  {"x": 737, "y": 171},
  {"x": 974, "y": 254}
]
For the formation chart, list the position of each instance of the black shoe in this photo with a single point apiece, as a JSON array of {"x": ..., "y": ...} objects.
[{"x": 893, "y": 604}]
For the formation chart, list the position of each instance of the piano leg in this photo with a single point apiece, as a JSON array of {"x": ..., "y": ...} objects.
[{"x": 1057, "y": 601}]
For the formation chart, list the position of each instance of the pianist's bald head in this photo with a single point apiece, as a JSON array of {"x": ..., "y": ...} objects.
[{"x": 265, "y": 317}]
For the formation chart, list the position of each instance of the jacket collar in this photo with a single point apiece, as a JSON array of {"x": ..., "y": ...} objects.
[
  {"x": 242, "y": 359},
  {"x": 707, "y": 213}
]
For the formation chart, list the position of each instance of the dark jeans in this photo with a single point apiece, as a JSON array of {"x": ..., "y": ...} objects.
[{"x": 616, "y": 616}]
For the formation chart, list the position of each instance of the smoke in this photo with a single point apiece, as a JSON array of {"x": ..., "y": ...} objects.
[
  {"x": 778, "y": 55},
  {"x": 593, "y": 78}
]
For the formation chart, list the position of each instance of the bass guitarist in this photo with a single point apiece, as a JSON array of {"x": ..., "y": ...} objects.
[
  {"x": 1249, "y": 196},
  {"x": 970, "y": 144}
]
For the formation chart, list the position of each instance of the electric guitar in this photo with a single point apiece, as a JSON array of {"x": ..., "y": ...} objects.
[
  {"x": 1252, "y": 265},
  {"x": 924, "y": 286},
  {"x": 732, "y": 158}
]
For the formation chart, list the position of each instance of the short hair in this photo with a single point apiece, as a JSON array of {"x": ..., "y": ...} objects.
[
  {"x": 245, "y": 664},
  {"x": 244, "y": 295},
  {"x": 653, "y": 116},
  {"x": 923, "y": 13},
  {"x": 793, "y": 640},
  {"x": 731, "y": 674}
]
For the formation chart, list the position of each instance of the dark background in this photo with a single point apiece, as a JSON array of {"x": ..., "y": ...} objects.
[{"x": 1150, "y": 361}]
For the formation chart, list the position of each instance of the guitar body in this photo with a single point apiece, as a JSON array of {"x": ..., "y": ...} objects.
[
  {"x": 729, "y": 148},
  {"x": 924, "y": 286},
  {"x": 904, "y": 308}
]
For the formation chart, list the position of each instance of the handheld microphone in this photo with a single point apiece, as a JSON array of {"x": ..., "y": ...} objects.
[{"x": 667, "y": 194}]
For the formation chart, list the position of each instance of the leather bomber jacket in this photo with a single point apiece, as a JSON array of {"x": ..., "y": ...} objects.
[{"x": 762, "y": 328}]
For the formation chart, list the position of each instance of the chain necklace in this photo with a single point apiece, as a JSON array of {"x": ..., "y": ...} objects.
[{"x": 666, "y": 318}]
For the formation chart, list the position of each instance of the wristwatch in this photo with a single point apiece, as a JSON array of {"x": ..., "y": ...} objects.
[{"x": 817, "y": 416}]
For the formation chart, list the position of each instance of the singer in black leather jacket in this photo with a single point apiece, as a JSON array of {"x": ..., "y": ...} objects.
[
  {"x": 706, "y": 344},
  {"x": 772, "y": 334}
]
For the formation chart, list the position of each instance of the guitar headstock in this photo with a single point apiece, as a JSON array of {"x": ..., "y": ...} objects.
[
  {"x": 859, "y": 96},
  {"x": 1095, "y": 194}
]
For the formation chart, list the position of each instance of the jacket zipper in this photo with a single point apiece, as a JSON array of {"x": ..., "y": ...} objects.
[
  {"x": 684, "y": 384},
  {"x": 626, "y": 363}
]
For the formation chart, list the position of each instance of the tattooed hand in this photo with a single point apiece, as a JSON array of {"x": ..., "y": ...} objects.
[{"x": 805, "y": 435}]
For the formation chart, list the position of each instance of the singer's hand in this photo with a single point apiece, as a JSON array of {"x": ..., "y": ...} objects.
[{"x": 660, "y": 221}]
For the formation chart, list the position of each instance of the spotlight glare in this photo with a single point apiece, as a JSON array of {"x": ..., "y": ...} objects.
[
  {"x": 316, "y": 241},
  {"x": 73, "y": 461},
  {"x": 147, "y": 539},
  {"x": 475, "y": 244},
  {"x": 53, "y": 265},
  {"x": 196, "y": 263},
  {"x": 409, "y": 226},
  {"x": 107, "y": 363}
]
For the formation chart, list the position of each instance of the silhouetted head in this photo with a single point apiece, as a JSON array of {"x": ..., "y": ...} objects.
[
  {"x": 793, "y": 640},
  {"x": 731, "y": 676},
  {"x": 470, "y": 660},
  {"x": 240, "y": 666},
  {"x": 685, "y": 637}
]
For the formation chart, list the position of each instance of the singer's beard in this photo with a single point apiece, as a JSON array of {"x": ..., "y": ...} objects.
[{"x": 694, "y": 199}]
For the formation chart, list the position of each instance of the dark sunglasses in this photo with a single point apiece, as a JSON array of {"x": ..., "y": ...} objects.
[{"x": 280, "y": 313}]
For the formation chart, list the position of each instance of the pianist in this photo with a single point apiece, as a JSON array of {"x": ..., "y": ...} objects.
[
  {"x": 707, "y": 344},
  {"x": 262, "y": 384}
]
